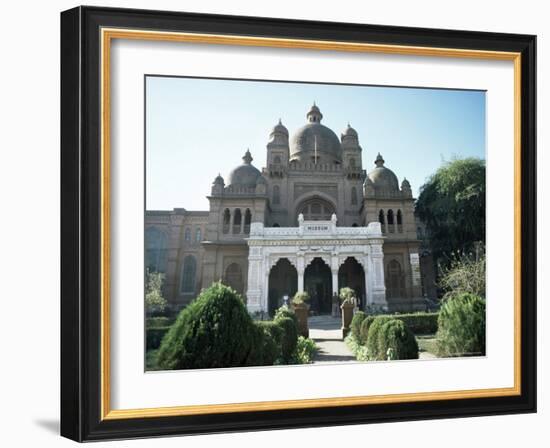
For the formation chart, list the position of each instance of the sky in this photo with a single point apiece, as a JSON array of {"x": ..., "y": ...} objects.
[{"x": 197, "y": 128}]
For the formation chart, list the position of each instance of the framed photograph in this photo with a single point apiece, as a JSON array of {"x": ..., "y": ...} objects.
[{"x": 273, "y": 223}]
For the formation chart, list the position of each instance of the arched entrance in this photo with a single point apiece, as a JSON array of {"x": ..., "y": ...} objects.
[
  {"x": 352, "y": 275},
  {"x": 283, "y": 281},
  {"x": 318, "y": 283}
]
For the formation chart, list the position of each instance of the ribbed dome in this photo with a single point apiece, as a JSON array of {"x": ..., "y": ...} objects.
[
  {"x": 349, "y": 132},
  {"x": 245, "y": 175},
  {"x": 383, "y": 178},
  {"x": 315, "y": 140},
  {"x": 279, "y": 128}
]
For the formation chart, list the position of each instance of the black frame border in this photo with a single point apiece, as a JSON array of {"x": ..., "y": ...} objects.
[{"x": 81, "y": 224}]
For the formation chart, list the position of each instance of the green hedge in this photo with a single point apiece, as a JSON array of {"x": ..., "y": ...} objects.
[
  {"x": 396, "y": 341},
  {"x": 268, "y": 344},
  {"x": 420, "y": 323},
  {"x": 289, "y": 338},
  {"x": 356, "y": 322},
  {"x": 390, "y": 338},
  {"x": 372, "y": 339},
  {"x": 364, "y": 332},
  {"x": 213, "y": 331},
  {"x": 462, "y": 326},
  {"x": 154, "y": 337}
]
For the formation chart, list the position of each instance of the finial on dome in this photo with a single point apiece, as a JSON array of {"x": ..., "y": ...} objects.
[
  {"x": 379, "y": 160},
  {"x": 314, "y": 115},
  {"x": 247, "y": 158}
]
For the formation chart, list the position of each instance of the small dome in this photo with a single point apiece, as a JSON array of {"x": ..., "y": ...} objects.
[
  {"x": 245, "y": 175},
  {"x": 349, "y": 132},
  {"x": 315, "y": 141},
  {"x": 279, "y": 128},
  {"x": 218, "y": 179},
  {"x": 383, "y": 178}
]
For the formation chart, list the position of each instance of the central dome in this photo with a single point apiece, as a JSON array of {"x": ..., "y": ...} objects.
[{"x": 315, "y": 142}]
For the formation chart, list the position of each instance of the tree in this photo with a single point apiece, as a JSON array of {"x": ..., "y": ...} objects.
[
  {"x": 464, "y": 274},
  {"x": 452, "y": 206},
  {"x": 155, "y": 303}
]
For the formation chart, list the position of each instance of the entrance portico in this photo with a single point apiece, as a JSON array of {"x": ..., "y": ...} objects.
[{"x": 310, "y": 242}]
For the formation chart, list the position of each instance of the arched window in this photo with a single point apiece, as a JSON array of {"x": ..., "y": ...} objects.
[
  {"x": 187, "y": 234},
  {"x": 316, "y": 210},
  {"x": 399, "y": 221},
  {"x": 352, "y": 162},
  {"x": 277, "y": 160},
  {"x": 155, "y": 250},
  {"x": 237, "y": 219},
  {"x": 226, "y": 220},
  {"x": 276, "y": 225},
  {"x": 382, "y": 220},
  {"x": 354, "y": 225},
  {"x": 353, "y": 196},
  {"x": 276, "y": 195},
  {"x": 395, "y": 281},
  {"x": 391, "y": 227},
  {"x": 188, "y": 275},
  {"x": 234, "y": 277},
  {"x": 247, "y": 220},
  {"x": 198, "y": 235}
]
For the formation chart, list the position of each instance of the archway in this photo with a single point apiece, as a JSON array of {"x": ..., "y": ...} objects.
[
  {"x": 283, "y": 281},
  {"x": 316, "y": 209},
  {"x": 395, "y": 280},
  {"x": 234, "y": 277},
  {"x": 318, "y": 283},
  {"x": 352, "y": 275}
]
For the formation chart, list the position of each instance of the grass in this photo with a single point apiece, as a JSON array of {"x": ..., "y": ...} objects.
[{"x": 427, "y": 343}]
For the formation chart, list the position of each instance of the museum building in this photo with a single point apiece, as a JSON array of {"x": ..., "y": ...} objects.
[{"x": 312, "y": 220}]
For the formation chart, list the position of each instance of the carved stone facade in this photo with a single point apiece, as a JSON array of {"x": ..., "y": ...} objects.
[{"x": 311, "y": 219}]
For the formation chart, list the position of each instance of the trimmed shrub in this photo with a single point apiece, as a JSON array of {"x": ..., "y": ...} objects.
[
  {"x": 305, "y": 351},
  {"x": 420, "y": 323},
  {"x": 285, "y": 311},
  {"x": 461, "y": 324},
  {"x": 213, "y": 331},
  {"x": 268, "y": 345},
  {"x": 396, "y": 341},
  {"x": 364, "y": 331},
  {"x": 372, "y": 339},
  {"x": 289, "y": 337},
  {"x": 356, "y": 322},
  {"x": 153, "y": 337}
]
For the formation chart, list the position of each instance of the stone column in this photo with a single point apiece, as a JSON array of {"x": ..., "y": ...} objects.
[
  {"x": 379, "y": 287},
  {"x": 300, "y": 268},
  {"x": 335, "y": 281},
  {"x": 368, "y": 280},
  {"x": 254, "y": 286}
]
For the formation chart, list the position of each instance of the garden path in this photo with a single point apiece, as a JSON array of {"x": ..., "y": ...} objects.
[{"x": 327, "y": 333}]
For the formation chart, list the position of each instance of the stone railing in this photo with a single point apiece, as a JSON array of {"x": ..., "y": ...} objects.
[{"x": 315, "y": 229}]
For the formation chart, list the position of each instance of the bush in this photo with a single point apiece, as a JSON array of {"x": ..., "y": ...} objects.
[
  {"x": 372, "y": 336},
  {"x": 364, "y": 331},
  {"x": 285, "y": 311},
  {"x": 461, "y": 324},
  {"x": 267, "y": 350},
  {"x": 356, "y": 322},
  {"x": 305, "y": 351},
  {"x": 300, "y": 298},
  {"x": 419, "y": 323},
  {"x": 347, "y": 295},
  {"x": 154, "y": 336},
  {"x": 289, "y": 337},
  {"x": 396, "y": 341},
  {"x": 213, "y": 331}
]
